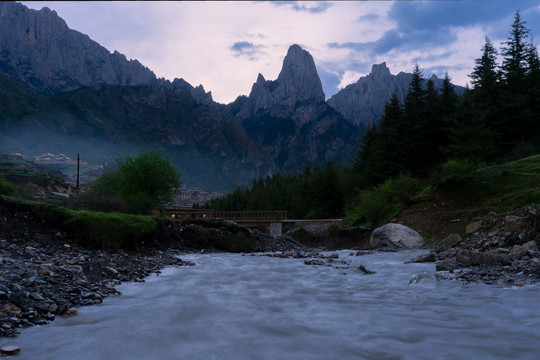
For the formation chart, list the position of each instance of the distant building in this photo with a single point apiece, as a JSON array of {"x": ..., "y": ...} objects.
[{"x": 190, "y": 195}]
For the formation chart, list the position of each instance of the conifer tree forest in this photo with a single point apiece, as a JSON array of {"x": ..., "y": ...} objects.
[{"x": 497, "y": 119}]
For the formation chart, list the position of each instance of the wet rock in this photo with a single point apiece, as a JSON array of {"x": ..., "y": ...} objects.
[
  {"x": 71, "y": 312},
  {"x": 424, "y": 258},
  {"x": 448, "y": 264},
  {"x": 395, "y": 236},
  {"x": 10, "y": 350},
  {"x": 424, "y": 279}
]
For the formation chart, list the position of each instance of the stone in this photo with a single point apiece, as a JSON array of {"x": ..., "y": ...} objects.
[
  {"x": 72, "y": 311},
  {"x": 11, "y": 309},
  {"x": 10, "y": 350},
  {"x": 515, "y": 223},
  {"x": 473, "y": 227},
  {"x": 44, "y": 271},
  {"x": 395, "y": 236},
  {"x": 424, "y": 279},
  {"x": 111, "y": 270},
  {"x": 447, "y": 243},
  {"x": 424, "y": 258},
  {"x": 36, "y": 296},
  {"x": 448, "y": 264},
  {"x": 475, "y": 257},
  {"x": 519, "y": 251}
]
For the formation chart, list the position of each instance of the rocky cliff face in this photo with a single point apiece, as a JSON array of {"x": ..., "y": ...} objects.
[
  {"x": 39, "y": 50},
  {"x": 297, "y": 82},
  {"x": 290, "y": 118},
  {"x": 363, "y": 102}
]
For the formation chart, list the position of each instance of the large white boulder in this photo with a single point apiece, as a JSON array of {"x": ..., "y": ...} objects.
[{"x": 395, "y": 236}]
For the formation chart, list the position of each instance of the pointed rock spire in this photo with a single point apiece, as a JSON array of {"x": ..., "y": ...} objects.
[{"x": 298, "y": 77}]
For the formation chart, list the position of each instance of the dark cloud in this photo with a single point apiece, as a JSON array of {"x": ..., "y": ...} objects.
[
  {"x": 312, "y": 7},
  {"x": 396, "y": 40},
  {"x": 427, "y": 15},
  {"x": 433, "y": 24},
  {"x": 245, "y": 48}
]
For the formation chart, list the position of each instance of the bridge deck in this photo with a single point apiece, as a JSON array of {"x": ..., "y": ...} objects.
[{"x": 237, "y": 216}]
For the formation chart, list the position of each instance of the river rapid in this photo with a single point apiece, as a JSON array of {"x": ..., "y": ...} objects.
[{"x": 230, "y": 306}]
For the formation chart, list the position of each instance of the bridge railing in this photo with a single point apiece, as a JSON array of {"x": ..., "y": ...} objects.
[
  {"x": 240, "y": 216},
  {"x": 270, "y": 215}
]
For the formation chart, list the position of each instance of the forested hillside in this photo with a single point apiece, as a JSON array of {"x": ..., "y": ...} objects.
[{"x": 433, "y": 138}]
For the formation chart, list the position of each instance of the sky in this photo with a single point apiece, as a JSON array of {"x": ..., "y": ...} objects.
[{"x": 224, "y": 45}]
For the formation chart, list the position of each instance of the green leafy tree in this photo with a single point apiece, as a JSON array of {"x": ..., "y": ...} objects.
[{"x": 140, "y": 183}]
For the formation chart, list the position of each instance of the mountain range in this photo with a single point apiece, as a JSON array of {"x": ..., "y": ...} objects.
[{"x": 62, "y": 92}]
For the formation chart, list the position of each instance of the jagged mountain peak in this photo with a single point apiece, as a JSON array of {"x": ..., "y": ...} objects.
[
  {"x": 362, "y": 103},
  {"x": 42, "y": 52},
  {"x": 299, "y": 76},
  {"x": 298, "y": 81},
  {"x": 380, "y": 69}
]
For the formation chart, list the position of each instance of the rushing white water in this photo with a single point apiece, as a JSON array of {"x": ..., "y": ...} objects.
[{"x": 231, "y": 306}]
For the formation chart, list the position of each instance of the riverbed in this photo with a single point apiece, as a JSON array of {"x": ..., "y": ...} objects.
[{"x": 233, "y": 306}]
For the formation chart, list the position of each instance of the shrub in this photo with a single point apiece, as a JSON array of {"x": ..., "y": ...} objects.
[
  {"x": 462, "y": 176},
  {"x": 403, "y": 188},
  {"x": 7, "y": 188},
  {"x": 381, "y": 203}
]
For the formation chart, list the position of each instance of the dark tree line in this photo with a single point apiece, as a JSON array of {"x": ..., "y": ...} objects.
[
  {"x": 316, "y": 192},
  {"x": 497, "y": 119}
]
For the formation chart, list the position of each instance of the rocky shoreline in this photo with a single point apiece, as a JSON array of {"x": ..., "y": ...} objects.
[
  {"x": 45, "y": 272},
  {"x": 498, "y": 249}
]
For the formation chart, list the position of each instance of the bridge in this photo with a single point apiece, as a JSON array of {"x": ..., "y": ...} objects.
[{"x": 270, "y": 221}]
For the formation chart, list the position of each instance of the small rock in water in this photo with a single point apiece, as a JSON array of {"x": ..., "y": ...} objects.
[
  {"x": 363, "y": 269},
  {"x": 424, "y": 279},
  {"x": 71, "y": 312},
  {"x": 10, "y": 350}
]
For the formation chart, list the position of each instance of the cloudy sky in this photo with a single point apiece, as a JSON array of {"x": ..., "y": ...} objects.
[{"x": 223, "y": 45}]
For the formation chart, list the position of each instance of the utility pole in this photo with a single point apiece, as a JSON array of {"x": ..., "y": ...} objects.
[{"x": 78, "y": 161}]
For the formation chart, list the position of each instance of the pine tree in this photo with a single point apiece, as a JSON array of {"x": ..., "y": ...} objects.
[
  {"x": 469, "y": 136},
  {"x": 514, "y": 69},
  {"x": 533, "y": 94},
  {"x": 415, "y": 156},
  {"x": 386, "y": 159},
  {"x": 485, "y": 75}
]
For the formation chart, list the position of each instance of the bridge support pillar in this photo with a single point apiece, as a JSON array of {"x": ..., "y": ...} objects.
[{"x": 276, "y": 228}]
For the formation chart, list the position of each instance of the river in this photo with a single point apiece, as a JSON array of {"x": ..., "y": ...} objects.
[{"x": 230, "y": 306}]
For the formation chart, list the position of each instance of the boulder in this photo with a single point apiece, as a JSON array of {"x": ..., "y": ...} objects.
[
  {"x": 473, "y": 227},
  {"x": 395, "y": 236},
  {"x": 518, "y": 251},
  {"x": 515, "y": 223}
]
